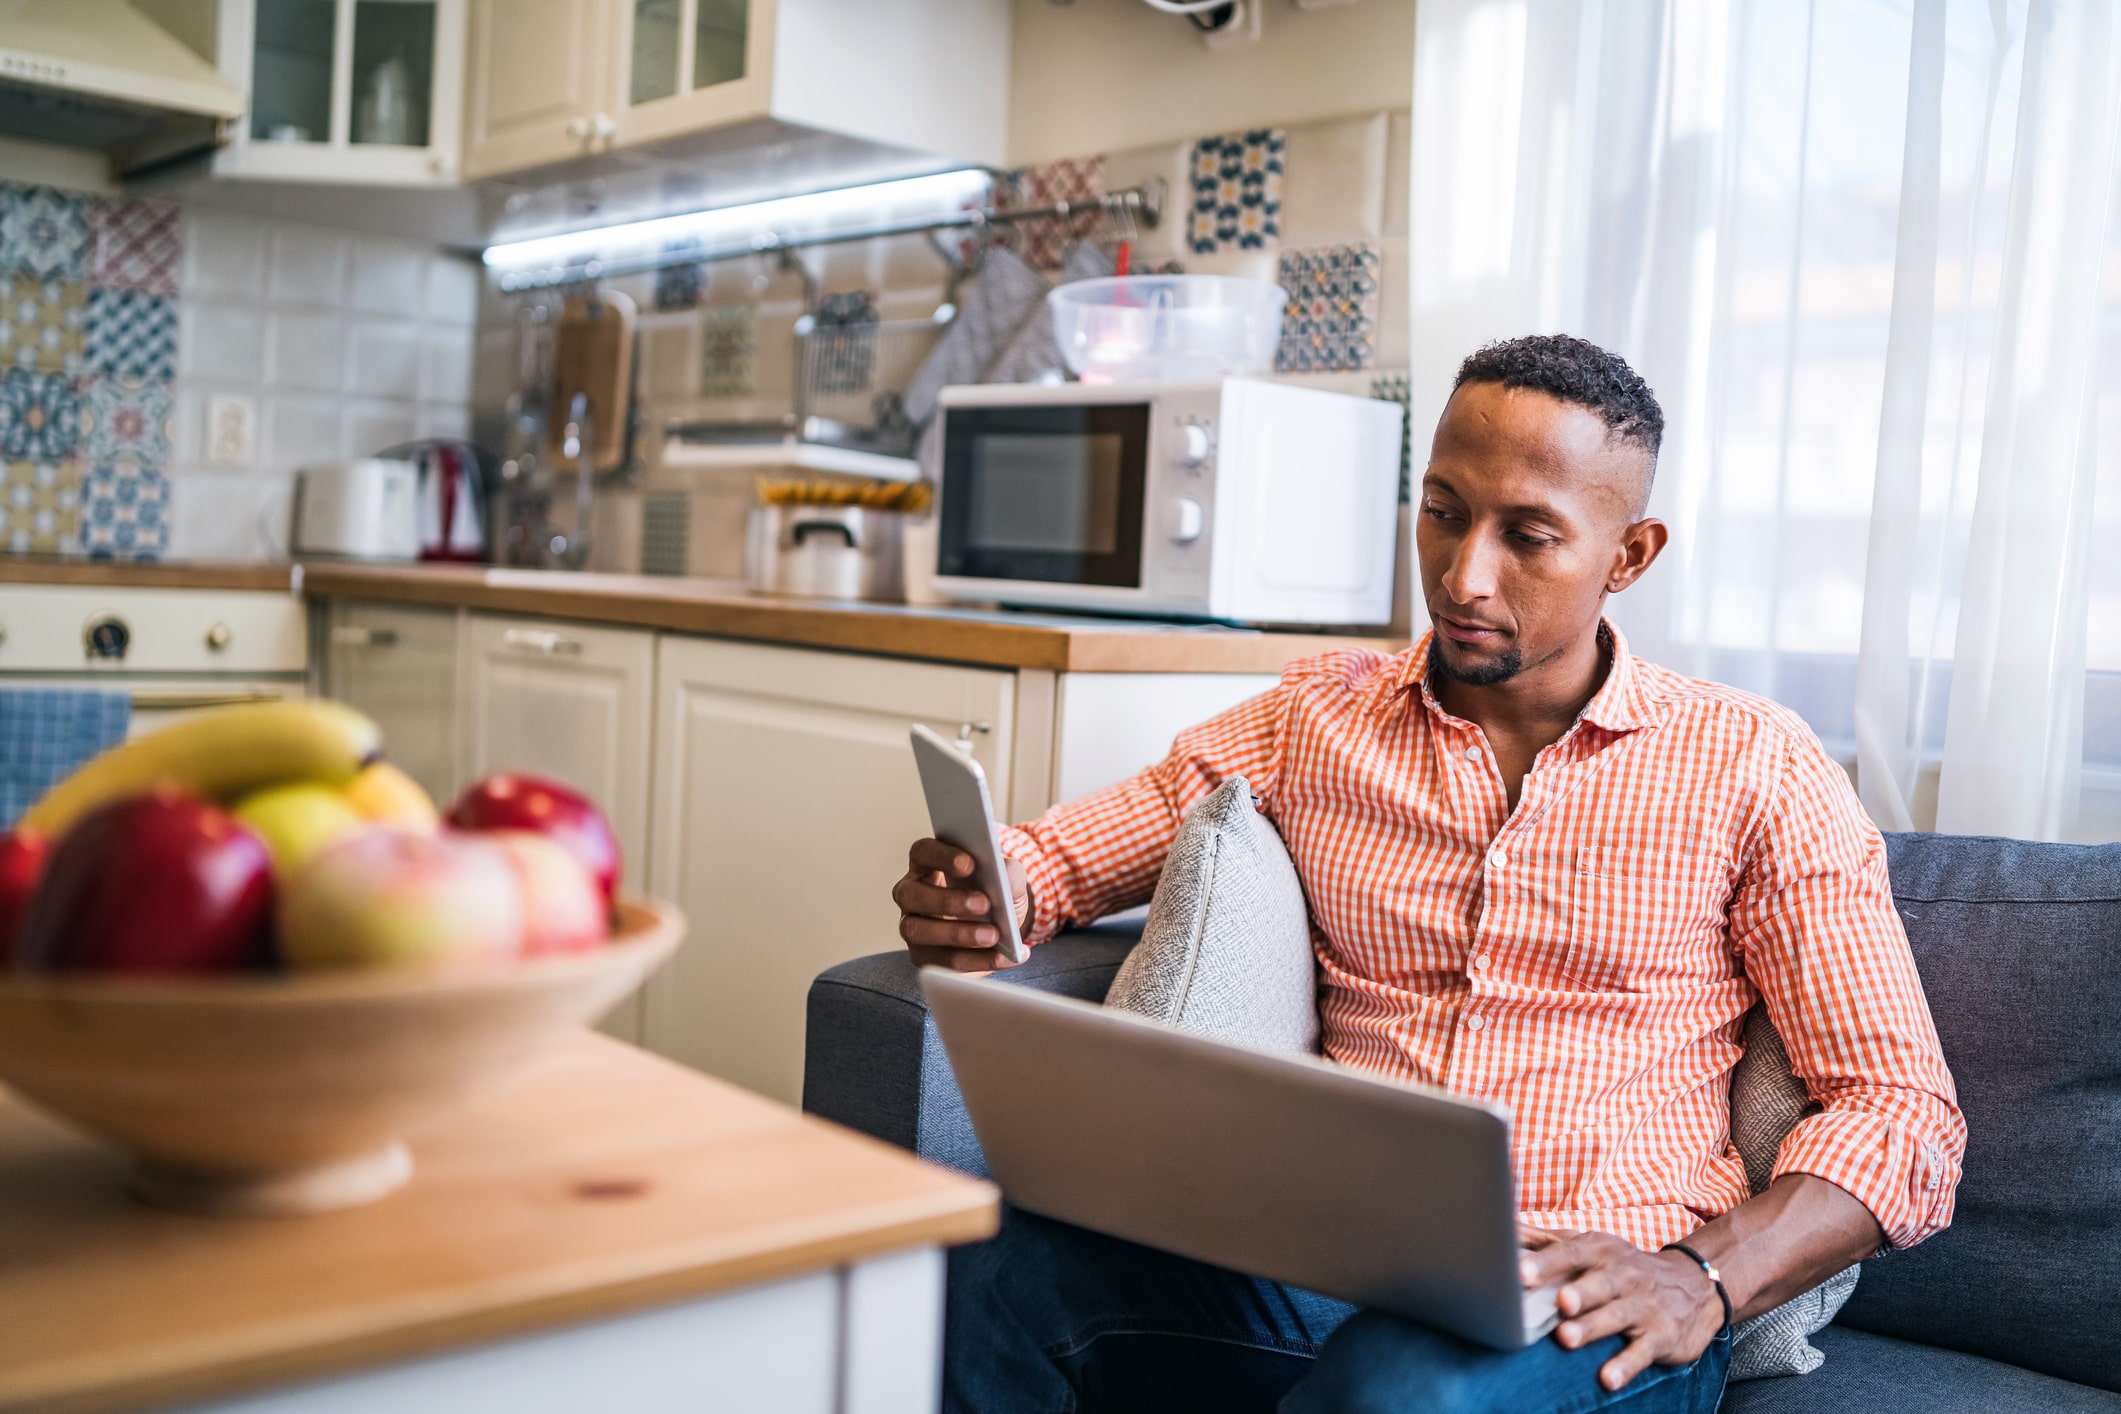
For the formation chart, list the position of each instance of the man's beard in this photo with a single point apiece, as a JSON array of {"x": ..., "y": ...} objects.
[{"x": 1502, "y": 669}]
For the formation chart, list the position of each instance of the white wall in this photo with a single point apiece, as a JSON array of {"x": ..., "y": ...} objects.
[{"x": 1100, "y": 75}]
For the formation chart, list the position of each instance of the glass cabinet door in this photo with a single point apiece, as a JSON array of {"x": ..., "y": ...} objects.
[
  {"x": 393, "y": 71},
  {"x": 291, "y": 70},
  {"x": 683, "y": 46}
]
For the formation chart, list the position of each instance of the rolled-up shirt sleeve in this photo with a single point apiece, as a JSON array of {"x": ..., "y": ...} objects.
[
  {"x": 1815, "y": 927},
  {"x": 1102, "y": 853}
]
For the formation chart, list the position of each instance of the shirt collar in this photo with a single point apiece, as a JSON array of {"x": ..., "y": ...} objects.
[{"x": 1623, "y": 703}]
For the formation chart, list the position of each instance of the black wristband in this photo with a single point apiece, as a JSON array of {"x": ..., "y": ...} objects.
[{"x": 1713, "y": 1275}]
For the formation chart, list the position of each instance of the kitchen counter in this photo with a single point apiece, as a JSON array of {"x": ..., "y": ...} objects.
[
  {"x": 1057, "y": 643},
  {"x": 54, "y": 569},
  {"x": 602, "y": 1182}
]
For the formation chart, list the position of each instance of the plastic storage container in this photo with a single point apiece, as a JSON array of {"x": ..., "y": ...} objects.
[{"x": 1166, "y": 328}]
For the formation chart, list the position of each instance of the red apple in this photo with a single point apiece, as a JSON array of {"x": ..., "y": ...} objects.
[
  {"x": 151, "y": 883},
  {"x": 389, "y": 896},
  {"x": 22, "y": 855},
  {"x": 562, "y": 908},
  {"x": 509, "y": 800}
]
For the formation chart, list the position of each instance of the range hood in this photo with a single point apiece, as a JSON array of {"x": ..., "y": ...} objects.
[{"x": 100, "y": 74}]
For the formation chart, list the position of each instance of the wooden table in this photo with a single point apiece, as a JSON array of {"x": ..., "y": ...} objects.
[{"x": 612, "y": 1231}]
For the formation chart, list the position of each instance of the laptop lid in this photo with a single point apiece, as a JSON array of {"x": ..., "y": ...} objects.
[{"x": 1286, "y": 1167}]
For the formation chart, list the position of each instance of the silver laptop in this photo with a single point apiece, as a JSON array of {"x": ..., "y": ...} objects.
[{"x": 1285, "y": 1167}]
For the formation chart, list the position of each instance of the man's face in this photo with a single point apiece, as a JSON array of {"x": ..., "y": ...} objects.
[{"x": 1527, "y": 519}]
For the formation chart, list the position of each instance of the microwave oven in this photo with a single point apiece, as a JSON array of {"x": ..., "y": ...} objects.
[{"x": 1237, "y": 500}]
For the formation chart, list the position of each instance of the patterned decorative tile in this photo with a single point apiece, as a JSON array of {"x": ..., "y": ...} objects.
[
  {"x": 131, "y": 334},
  {"x": 40, "y": 507},
  {"x": 1044, "y": 240},
  {"x": 43, "y": 324},
  {"x": 43, "y": 232},
  {"x": 40, "y": 415},
  {"x": 1330, "y": 323},
  {"x": 124, "y": 511},
  {"x": 135, "y": 244},
  {"x": 125, "y": 419},
  {"x": 680, "y": 286},
  {"x": 1237, "y": 191},
  {"x": 1395, "y": 388},
  {"x": 729, "y": 350},
  {"x": 842, "y": 354}
]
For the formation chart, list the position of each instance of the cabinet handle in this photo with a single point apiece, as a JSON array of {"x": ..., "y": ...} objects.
[
  {"x": 966, "y": 729},
  {"x": 604, "y": 128},
  {"x": 354, "y": 636},
  {"x": 538, "y": 640},
  {"x": 219, "y": 637},
  {"x": 578, "y": 129}
]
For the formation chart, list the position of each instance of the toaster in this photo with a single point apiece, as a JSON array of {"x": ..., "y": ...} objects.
[{"x": 367, "y": 509}]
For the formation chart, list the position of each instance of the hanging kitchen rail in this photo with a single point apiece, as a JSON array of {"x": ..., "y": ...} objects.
[{"x": 1126, "y": 212}]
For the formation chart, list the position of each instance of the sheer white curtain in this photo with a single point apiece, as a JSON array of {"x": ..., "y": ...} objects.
[{"x": 1866, "y": 252}]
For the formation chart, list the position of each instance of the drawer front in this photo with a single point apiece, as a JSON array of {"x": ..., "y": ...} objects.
[{"x": 46, "y": 629}]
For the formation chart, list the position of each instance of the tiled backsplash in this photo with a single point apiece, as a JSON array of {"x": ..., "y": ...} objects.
[
  {"x": 130, "y": 325},
  {"x": 1320, "y": 207}
]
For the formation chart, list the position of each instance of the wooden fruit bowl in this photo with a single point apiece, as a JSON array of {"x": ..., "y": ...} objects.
[{"x": 263, "y": 1095}]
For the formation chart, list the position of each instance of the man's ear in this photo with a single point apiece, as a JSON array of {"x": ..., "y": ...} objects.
[{"x": 1640, "y": 545}]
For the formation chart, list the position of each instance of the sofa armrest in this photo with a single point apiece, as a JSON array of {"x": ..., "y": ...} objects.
[{"x": 872, "y": 1060}]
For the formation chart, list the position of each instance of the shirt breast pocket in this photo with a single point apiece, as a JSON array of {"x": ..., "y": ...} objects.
[{"x": 1647, "y": 921}]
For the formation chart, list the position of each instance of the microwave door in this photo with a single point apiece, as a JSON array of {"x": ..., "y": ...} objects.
[{"x": 1045, "y": 495}]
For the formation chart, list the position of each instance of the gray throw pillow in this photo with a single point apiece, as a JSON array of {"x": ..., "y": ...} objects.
[
  {"x": 1226, "y": 952},
  {"x": 1767, "y": 1100}
]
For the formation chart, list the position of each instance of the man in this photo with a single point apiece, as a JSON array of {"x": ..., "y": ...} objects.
[{"x": 1542, "y": 872}]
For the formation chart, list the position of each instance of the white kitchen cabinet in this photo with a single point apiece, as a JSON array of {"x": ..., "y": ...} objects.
[
  {"x": 823, "y": 92},
  {"x": 785, "y": 798},
  {"x": 573, "y": 702},
  {"x": 345, "y": 91},
  {"x": 399, "y": 665}
]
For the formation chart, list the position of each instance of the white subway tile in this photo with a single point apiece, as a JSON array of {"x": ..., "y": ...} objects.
[
  {"x": 308, "y": 266},
  {"x": 434, "y": 421},
  {"x": 300, "y": 431},
  {"x": 222, "y": 342},
  {"x": 215, "y": 515},
  {"x": 224, "y": 254},
  {"x": 308, "y": 351},
  {"x": 385, "y": 358},
  {"x": 389, "y": 277},
  {"x": 1335, "y": 187},
  {"x": 373, "y": 426},
  {"x": 445, "y": 365},
  {"x": 452, "y": 290}
]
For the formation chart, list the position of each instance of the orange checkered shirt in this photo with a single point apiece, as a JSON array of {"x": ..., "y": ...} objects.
[{"x": 1683, "y": 851}]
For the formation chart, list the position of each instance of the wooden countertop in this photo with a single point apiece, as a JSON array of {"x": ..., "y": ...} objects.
[
  {"x": 605, "y": 1179},
  {"x": 1053, "y": 642},
  {"x": 53, "y": 569}
]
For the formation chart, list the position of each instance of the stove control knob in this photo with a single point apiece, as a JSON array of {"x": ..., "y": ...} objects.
[
  {"x": 1194, "y": 445},
  {"x": 219, "y": 637},
  {"x": 106, "y": 636},
  {"x": 1187, "y": 520}
]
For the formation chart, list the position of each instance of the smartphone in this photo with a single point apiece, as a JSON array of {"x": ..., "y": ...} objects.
[{"x": 962, "y": 814}]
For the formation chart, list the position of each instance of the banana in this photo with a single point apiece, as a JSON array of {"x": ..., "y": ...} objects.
[{"x": 218, "y": 754}]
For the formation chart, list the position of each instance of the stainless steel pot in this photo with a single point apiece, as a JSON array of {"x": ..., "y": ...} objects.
[{"x": 825, "y": 552}]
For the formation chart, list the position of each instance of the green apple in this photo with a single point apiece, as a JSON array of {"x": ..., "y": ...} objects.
[
  {"x": 390, "y": 896},
  {"x": 298, "y": 820}
]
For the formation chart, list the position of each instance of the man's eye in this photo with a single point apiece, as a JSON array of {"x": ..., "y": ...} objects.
[
  {"x": 1537, "y": 542},
  {"x": 1430, "y": 508}
]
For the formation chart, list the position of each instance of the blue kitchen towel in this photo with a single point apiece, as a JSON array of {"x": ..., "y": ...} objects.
[{"x": 45, "y": 733}]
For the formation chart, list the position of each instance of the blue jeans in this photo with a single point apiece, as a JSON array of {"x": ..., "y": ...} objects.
[{"x": 1052, "y": 1319}]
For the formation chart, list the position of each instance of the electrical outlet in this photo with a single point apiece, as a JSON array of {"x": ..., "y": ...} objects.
[
  {"x": 1244, "y": 29},
  {"x": 231, "y": 430}
]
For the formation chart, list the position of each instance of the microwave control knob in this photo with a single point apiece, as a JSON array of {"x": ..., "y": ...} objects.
[
  {"x": 1194, "y": 445},
  {"x": 1187, "y": 520}
]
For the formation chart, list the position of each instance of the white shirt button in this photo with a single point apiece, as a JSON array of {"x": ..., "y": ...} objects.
[
  {"x": 1472, "y": 753},
  {"x": 1496, "y": 859},
  {"x": 1480, "y": 963},
  {"x": 1475, "y": 1023}
]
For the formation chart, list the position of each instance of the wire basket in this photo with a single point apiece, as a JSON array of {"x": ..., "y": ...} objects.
[{"x": 854, "y": 372}]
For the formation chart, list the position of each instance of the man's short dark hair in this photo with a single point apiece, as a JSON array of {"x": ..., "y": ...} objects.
[{"x": 1575, "y": 371}]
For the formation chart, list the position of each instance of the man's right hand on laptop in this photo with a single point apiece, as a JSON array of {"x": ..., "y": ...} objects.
[{"x": 944, "y": 921}]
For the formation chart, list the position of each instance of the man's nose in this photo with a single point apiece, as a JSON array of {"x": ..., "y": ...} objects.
[{"x": 1471, "y": 575}]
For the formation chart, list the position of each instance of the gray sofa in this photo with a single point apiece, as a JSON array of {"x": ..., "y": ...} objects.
[{"x": 2016, "y": 1307}]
